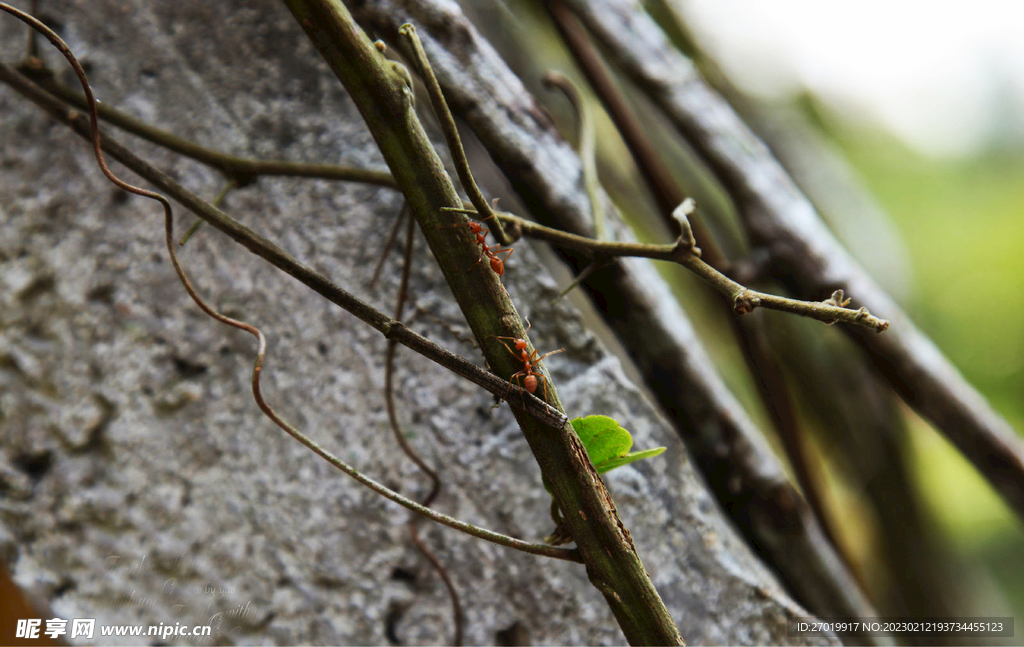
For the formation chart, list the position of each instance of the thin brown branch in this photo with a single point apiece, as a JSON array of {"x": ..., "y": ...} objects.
[
  {"x": 388, "y": 244},
  {"x": 238, "y": 167},
  {"x": 744, "y": 300},
  {"x": 662, "y": 186},
  {"x": 218, "y": 201},
  {"x": 32, "y": 45},
  {"x": 242, "y": 170},
  {"x": 389, "y": 372},
  {"x": 583, "y": 275},
  {"x": 407, "y": 449}
]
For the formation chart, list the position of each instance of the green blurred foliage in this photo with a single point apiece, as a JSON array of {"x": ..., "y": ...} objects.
[{"x": 963, "y": 224}]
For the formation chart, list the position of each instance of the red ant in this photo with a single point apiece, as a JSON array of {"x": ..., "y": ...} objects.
[
  {"x": 490, "y": 251},
  {"x": 529, "y": 360}
]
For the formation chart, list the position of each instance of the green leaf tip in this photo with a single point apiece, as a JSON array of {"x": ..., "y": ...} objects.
[
  {"x": 627, "y": 459},
  {"x": 607, "y": 443}
]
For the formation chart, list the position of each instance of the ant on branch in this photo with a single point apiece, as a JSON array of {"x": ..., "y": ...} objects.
[
  {"x": 493, "y": 252},
  {"x": 525, "y": 379}
]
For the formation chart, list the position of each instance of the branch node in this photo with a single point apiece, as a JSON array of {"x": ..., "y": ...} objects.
[
  {"x": 838, "y": 300},
  {"x": 745, "y": 302},
  {"x": 680, "y": 213},
  {"x": 240, "y": 178}
]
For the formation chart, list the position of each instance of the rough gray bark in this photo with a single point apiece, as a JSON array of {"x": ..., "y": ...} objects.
[{"x": 138, "y": 481}]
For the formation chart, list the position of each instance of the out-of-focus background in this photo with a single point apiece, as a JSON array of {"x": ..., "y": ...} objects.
[
  {"x": 903, "y": 121},
  {"x": 926, "y": 102}
]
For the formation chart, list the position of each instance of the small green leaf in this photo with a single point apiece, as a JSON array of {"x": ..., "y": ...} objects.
[
  {"x": 607, "y": 443},
  {"x": 627, "y": 459},
  {"x": 603, "y": 438}
]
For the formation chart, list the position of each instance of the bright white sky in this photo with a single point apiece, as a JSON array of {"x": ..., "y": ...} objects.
[{"x": 946, "y": 77}]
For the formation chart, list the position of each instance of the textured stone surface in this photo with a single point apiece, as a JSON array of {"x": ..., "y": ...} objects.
[{"x": 138, "y": 481}]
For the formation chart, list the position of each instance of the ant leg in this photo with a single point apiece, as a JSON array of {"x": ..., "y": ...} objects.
[
  {"x": 535, "y": 361},
  {"x": 506, "y": 252},
  {"x": 519, "y": 383},
  {"x": 545, "y": 380},
  {"x": 479, "y": 241},
  {"x": 554, "y": 352},
  {"x": 511, "y": 352},
  {"x": 497, "y": 263},
  {"x": 533, "y": 357},
  {"x": 517, "y": 377},
  {"x": 508, "y": 390},
  {"x": 470, "y": 268}
]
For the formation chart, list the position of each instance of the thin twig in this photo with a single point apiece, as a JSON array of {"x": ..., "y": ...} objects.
[
  {"x": 744, "y": 300},
  {"x": 389, "y": 365},
  {"x": 218, "y": 201},
  {"x": 388, "y": 244},
  {"x": 451, "y": 135},
  {"x": 241, "y": 169},
  {"x": 32, "y": 46},
  {"x": 596, "y": 264},
  {"x": 656, "y": 175},
  {"x": 396, "y": 429},
  {"x": 587, "y": 148}
]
